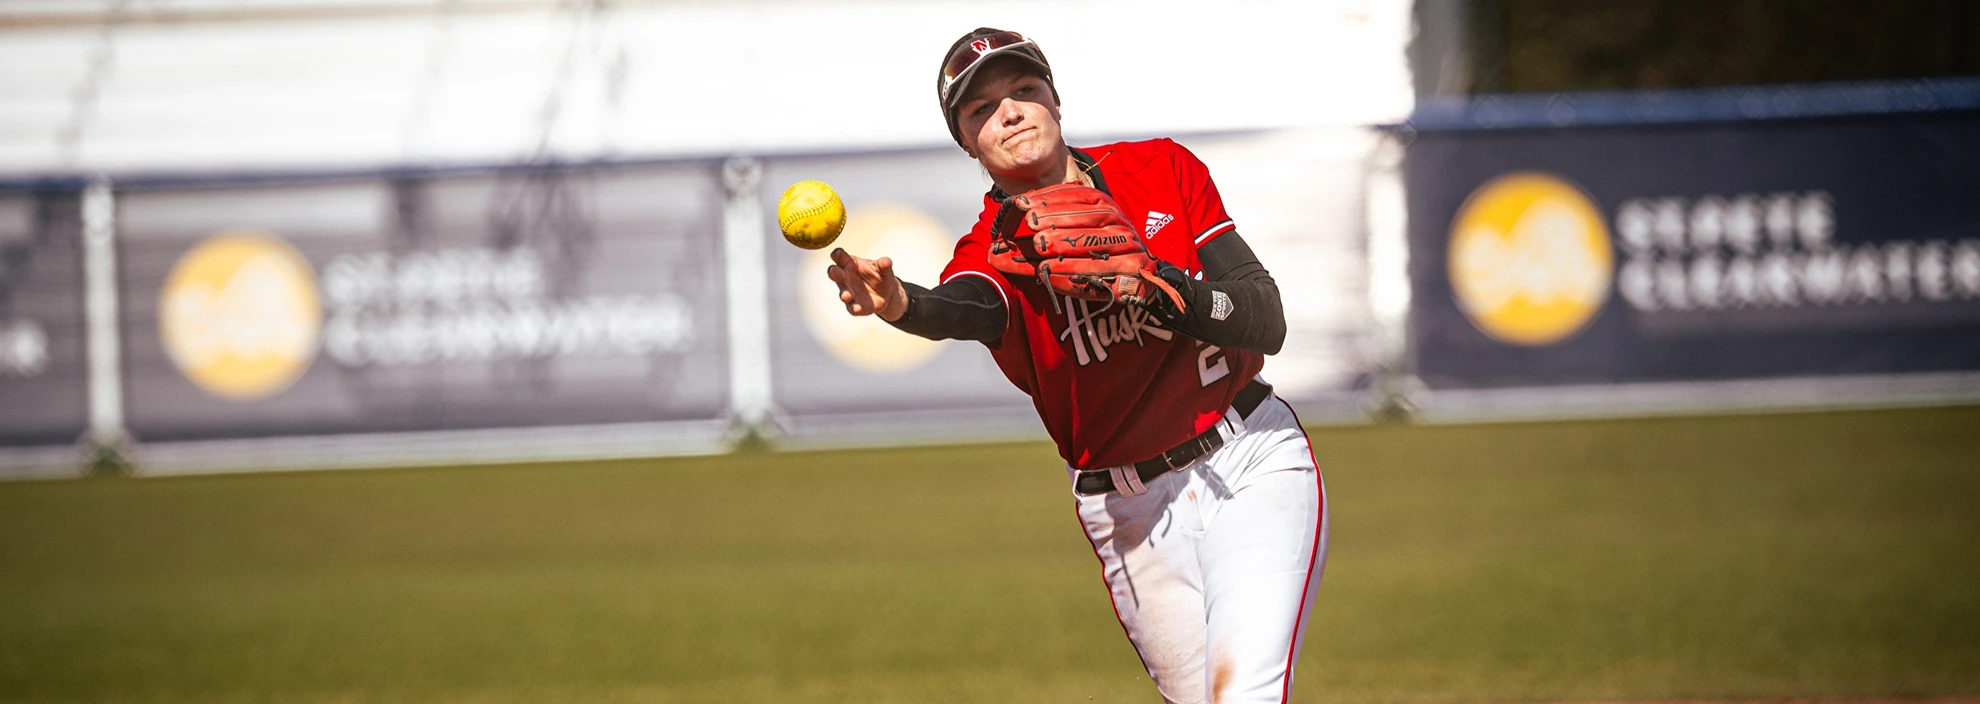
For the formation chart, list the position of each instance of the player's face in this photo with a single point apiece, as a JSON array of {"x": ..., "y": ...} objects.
[{"x": 1010, "y": 122}]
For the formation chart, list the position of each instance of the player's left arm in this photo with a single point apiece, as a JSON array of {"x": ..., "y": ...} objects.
[{"x": 1235, "y": 305}]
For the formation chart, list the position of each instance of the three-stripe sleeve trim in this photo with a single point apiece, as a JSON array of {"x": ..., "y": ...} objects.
[{"x": 1215, "y": 230}]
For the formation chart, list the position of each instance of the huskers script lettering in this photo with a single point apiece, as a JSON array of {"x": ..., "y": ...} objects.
[{"x": 1092, "y": 332}]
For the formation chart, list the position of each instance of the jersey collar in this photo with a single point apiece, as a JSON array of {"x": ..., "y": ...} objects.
[
  {"x": 1092, "y": 168},
  {"x": 1085, "y": 163}
]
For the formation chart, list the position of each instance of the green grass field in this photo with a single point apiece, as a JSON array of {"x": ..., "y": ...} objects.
[{"x": 1751, "y": 557}]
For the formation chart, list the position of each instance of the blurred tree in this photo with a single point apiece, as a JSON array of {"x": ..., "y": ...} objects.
[{"x": 1557, "y": 45}]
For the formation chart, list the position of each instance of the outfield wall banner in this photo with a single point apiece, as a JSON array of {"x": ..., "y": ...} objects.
[
  {"x": 1695, "y": 252},
  {"x": 839, "y": 374},
  {"x": 518, "y": 298},
  {"x": 43, "y": 371}
]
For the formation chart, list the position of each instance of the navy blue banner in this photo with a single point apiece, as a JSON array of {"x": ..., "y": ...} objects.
[
  {"x": 1683, "y": 252},
  {"x": 504, "y": 300},
  {"x": 43, "y": 370}
]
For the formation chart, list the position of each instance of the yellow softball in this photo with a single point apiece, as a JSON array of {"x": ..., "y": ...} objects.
[{"x": 810, "y": 214}]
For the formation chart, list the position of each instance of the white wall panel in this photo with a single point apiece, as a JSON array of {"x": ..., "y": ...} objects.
[{"x": 191, "y": 84}]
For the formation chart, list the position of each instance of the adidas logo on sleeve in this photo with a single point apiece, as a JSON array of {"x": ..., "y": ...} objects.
[{"x": 1156, "y": 220}]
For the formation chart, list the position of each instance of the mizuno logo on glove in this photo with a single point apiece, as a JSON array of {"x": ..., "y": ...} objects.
[{"x": 1076, "y": 241}]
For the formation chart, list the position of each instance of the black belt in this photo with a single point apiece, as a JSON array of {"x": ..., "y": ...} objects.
[{"x": 1101, "y": 481}]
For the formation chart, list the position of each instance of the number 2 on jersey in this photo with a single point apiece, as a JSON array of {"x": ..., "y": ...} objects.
[{"x": 1211, "y": 365}]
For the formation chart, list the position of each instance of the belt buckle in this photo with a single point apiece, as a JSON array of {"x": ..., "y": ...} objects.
[
  {"x": 1169, "y": 457},
  {"x": 1198, "y": 443}
]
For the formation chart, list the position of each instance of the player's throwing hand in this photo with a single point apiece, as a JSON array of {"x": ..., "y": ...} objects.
[{"x": 868, "y": 286}]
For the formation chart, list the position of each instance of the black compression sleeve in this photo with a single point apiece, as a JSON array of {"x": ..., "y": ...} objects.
[
  {"x": 1237, "y": 304},
  {"x": 965, "y": 308}
]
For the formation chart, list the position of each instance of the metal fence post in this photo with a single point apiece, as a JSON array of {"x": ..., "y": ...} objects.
[
  {"x": 744, "y": 262},
  {"x": 1386, "y": 226},
  {"x": 106, "y": 436}
]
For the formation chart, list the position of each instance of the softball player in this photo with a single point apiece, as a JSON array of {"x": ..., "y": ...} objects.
[{"x": 1195, "y": 484}]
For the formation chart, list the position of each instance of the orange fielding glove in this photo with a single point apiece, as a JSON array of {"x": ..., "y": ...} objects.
[{"x": 1077, "y": 242}]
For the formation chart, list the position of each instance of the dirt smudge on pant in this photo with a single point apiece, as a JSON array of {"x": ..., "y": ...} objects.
[{"x": 1220, "y": 678}]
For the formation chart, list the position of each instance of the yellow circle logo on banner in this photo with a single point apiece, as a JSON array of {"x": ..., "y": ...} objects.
[
  {"x": 1530, "y": 259},
  {"x": 239, "y": 315},
  {"x": 919, "y": 248}
]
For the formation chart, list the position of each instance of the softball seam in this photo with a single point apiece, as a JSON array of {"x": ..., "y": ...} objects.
[{"x": 784, "y": 223}]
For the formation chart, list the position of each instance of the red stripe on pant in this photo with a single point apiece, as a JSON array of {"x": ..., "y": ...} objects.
[{"x": 1319, "y": 488}]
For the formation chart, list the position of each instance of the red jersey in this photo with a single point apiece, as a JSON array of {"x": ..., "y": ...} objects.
[{"x": 1114, "y": 386}]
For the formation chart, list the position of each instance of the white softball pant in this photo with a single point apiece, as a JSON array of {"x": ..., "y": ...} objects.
[{"x": 1213, "y": 570}]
